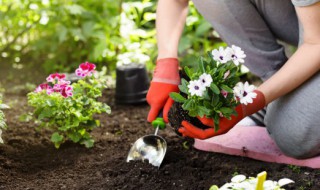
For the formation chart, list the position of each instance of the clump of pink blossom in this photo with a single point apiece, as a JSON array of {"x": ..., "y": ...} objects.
[{"x": 85, "y": 69}]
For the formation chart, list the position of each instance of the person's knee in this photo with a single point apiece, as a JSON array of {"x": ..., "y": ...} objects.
[{"x": 295, "y": 143}]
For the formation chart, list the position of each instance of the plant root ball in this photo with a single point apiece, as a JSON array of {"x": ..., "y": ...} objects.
[{"x": 176, "y": 115}]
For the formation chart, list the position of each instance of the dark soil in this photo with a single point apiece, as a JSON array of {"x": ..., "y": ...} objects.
[{"x": 28, "y": 160}]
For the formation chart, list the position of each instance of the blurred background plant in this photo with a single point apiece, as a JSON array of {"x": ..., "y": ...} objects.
[{"x": 55, "y": 35}]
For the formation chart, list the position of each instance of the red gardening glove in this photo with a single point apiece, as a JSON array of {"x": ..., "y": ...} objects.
[
  {"x": 225, "y": 124},
  {"x": 165, "y": 80}
]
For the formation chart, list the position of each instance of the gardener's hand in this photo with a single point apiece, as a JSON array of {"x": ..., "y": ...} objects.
[
  {"x": 225, "y": 125},
  {"x": 165, "y": 80}
]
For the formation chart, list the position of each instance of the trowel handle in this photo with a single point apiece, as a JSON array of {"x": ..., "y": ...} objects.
[{"x": 159, "y": 122}]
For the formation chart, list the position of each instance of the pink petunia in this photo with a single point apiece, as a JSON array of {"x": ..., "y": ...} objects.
[
  {"x": 46, "y": 87},
  {"x": 85, "y": 69}
]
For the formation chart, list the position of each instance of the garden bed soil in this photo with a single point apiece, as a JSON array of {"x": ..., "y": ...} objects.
[{"x": 28, "y": 160}]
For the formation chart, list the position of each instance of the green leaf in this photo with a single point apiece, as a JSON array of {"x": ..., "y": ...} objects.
[
  {"x": 214, "y": 187},
  {"x": 203, "y": 28},
  {"x": 75, "y": 137},
  {"x": 226, "y": 88},
  {"x": 177, "y": 97},
  {"x": 183, "y": 87},
  {"x": 45, "y": 113},
  {"x": 187, "y": 104},
  {"x": 215, "y": 101},
  {"x": 203, "y": 111},
  {"x": 88, "y": 143},
  {"x": 77, "y": 114},
  {"x": 202, "y": 66},
  {"x": 216, "y": 120},
  {"x": 56, "y": 137},
  {"x": 214, "y": 88},
  {"x": 226, "y": 110},
  {"x": 50, "y": 102},
  {"x": 188, "y": 72}
]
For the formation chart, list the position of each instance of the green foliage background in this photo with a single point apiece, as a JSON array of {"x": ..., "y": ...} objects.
[{"x": 60, "y": 34}]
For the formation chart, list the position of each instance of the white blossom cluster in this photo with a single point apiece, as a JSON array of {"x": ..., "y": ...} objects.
[
  {"x": 233, "y": 53},
  {"x": 241, "y": 182},
  {"x": 244, "y": 92}
]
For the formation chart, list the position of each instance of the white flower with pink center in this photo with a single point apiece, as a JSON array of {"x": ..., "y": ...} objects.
[
  {"x": 221, "y": 55},
  {"x": 85, "y": 69},
  {"x": 245, "y": 92},
  {"x": 196, "y": 88},
  {"x": 45, "y": 87}
]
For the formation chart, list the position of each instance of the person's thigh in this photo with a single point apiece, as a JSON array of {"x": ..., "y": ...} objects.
[
  {"x": 241, "y": 23},
  {"x": 281, "y": 18},
  {"x": 293, "y": 120}
]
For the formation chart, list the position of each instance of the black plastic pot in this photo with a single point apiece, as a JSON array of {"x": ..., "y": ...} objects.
[{"x": 132, "y": 84}]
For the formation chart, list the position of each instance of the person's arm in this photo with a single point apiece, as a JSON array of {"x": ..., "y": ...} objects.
[
  {"x": 170, "y": 21},
  {"x": 304, "y": 63}
]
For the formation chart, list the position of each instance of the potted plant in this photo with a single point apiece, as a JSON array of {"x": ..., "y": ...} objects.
[
  {"x": 68, "y": 109},
  {"x": 211, "y": 89}
]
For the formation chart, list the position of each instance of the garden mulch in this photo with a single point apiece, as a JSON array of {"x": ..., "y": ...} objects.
[{"x": 28, "y": 160}]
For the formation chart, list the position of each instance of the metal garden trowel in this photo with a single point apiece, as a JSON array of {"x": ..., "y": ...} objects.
[{"x": 150, "y": 147}]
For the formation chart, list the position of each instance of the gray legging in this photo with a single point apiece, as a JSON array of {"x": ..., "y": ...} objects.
[{"x": 293, "y": 121}]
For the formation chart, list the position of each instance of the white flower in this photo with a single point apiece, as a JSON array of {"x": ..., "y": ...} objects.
[
  {"x": 245, "y": 92},
  {"x": 240, "y": 182},
  {"x": 221, "y": 55},
  {"x": 196, "y": 88},
  {"x": 238, "y": 178},
  {"x": 205, "y": 79},
  {"x": 236, "y": 54}
]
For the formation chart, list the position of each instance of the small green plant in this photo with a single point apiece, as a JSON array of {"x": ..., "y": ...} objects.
[
  {"x": 3, "y": 124},
  {"x": 214, "y": 89},
  {"x": 68, "y": 109},
  {"x": 294, "y": 168}
]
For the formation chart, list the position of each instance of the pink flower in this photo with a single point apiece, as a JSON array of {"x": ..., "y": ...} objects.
[
  {"x": 46, "y": 87},
  {"x": 64, "y": 89},
  {"x": 64, "y": 82},
  {"x": 55, "y": 76},
  {"x": 224, "y": 93},
  {"x": 85, "y": 69},
  {"x": 67, "y": 91}
]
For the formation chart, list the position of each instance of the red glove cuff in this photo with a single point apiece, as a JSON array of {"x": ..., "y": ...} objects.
[{"x": 167, "y": 71}]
